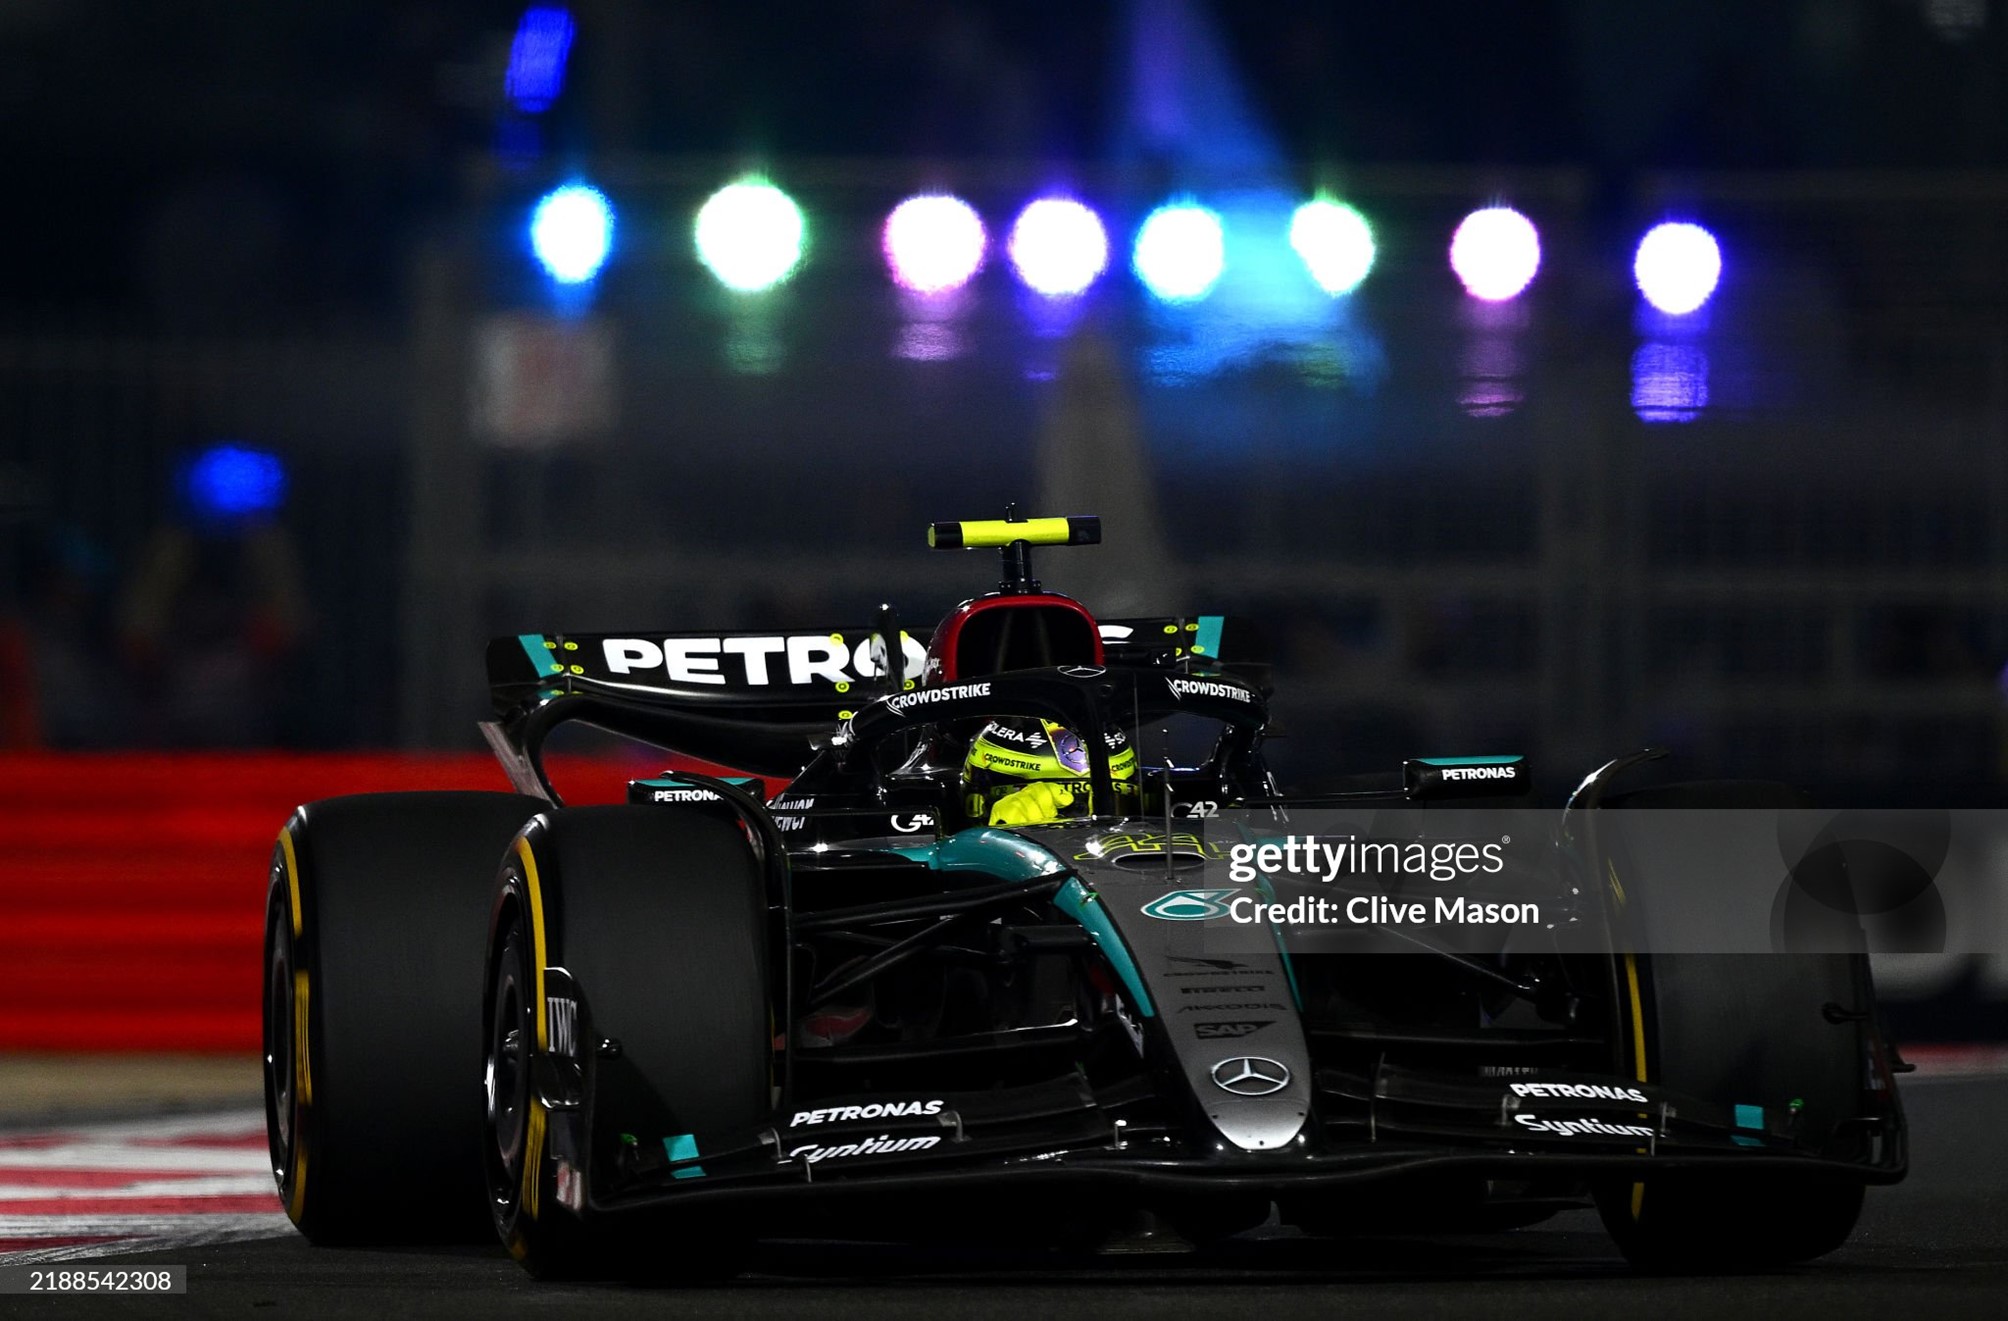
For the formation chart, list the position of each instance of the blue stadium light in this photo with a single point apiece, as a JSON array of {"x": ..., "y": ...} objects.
[
  {"x": 1058, "y": 247},
  {"x": 234, "y": 481},
  {"x": 537, "y": 58},
  {"x": 1677, "y": 267},
  {"x": 1495, "y": 253},
  {"x": 571, "y": 231},
  {"x": 1180, "y": 252},
  {"x": 1335, "y": 243}
]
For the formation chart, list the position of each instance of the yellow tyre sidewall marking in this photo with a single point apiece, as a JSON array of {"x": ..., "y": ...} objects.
[
  {"x": 303, "y": 1073},
  {"x": 292, "y": 877},
  {"x": 1638, "y": 1049},
  {"x": 303, "y": 1093},
  {"x": 533, "y": 1138}
]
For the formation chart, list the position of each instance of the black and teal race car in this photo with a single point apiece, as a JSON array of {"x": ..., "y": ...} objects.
[{"x": 634, "y": 1038}]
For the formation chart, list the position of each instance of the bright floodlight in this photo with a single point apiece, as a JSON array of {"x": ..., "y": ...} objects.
[
  {"x": 571, "y": 232},
  {"x": 1335, "y": 242},
  {"x": 1180, "y": 252},
  {"x": 1677, "y": 267},
  {"x": 750, "y": 236},
  {"x": 933, "y": 244},
  {"x": 1495, "y": 252},
  {"x": 1058, "y": 246}
]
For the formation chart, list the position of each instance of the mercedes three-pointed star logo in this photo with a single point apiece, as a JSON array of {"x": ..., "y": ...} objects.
[{"x": 1251, "y": 1075}]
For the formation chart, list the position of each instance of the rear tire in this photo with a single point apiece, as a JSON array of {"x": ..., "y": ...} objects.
[
  {"x": 659, "y": 916},
  {"x": 373, "y": 1011}
]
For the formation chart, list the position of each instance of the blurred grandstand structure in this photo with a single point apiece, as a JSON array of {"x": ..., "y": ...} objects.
[{"x": 1772, "y": 536}]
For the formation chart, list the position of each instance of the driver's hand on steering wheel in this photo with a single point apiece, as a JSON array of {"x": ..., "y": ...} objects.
[{"x": 1037, "y": 802}]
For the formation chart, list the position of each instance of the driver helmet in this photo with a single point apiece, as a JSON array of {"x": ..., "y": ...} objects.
[{"x": 1024, "y": 772}]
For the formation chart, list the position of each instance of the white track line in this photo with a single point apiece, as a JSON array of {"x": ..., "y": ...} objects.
[
  {"x": 85, "y": 1182},
  {"x": 137, "y": 1234}
]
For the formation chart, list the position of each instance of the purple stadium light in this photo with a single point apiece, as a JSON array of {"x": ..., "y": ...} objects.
[
  {"x": 1495, "y": 252},
  {"x": 1058, "y": 246},
  {"x": 1677, "y": 267},
  {"x": 933, "y": 243}
]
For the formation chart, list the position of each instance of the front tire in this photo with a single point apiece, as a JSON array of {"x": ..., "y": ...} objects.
[
  {"x": 1787, "y": 1036},
  {"x": 1748, "y": 1030},
  {"x": 658, "y": 917}
]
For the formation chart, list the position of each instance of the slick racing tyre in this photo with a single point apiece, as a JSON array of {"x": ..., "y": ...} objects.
[
  {"x": 659, "y": 1024},
  {"x": 1769, "y": 1036},
  {"x": 1748, "y": 1030},
  {"x": 372, "y": 1011}
]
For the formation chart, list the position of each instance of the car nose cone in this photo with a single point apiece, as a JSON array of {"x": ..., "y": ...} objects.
[{"x": 1251, "y": 1075}]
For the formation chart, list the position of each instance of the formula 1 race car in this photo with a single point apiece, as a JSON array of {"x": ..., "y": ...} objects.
[{"x": 953, "y": 956}]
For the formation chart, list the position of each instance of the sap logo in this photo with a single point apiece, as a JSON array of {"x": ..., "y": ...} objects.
[
  {"x": 1218, "y": 1031},
  {"x": 796, "y": 659}
]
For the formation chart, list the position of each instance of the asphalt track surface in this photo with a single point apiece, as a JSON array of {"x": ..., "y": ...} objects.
[{"x": 1934, "y": 1246}]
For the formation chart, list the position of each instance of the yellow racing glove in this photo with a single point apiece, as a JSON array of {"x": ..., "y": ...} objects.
[{"x": 1037, "y": 802}]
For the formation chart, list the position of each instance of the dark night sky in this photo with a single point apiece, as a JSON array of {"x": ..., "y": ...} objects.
[{"x": 337, "y": 125}]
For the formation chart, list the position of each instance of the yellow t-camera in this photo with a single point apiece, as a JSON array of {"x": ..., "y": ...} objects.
[{"x": 985, "y": 533}]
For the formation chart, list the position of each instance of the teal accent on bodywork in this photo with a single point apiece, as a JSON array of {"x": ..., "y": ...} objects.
[
  {"x": 541, "y": 659},
  {"x": 1749, "y": 1116},
  {"x": 1004, "y": 855},
  {"x": 1208, "y": 641},
  {"x": 1011, "y": 857},
  {"x": 1506, "y": 760},
  {"x": 1188, "y": 905},
  {"x": 683, "y": 1147},
  {"x": 1081, "y": 904}
]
